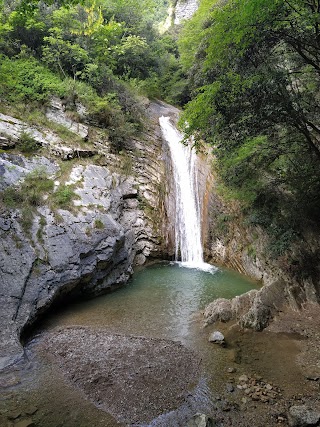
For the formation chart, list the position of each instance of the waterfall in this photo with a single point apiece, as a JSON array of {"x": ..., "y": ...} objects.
[{"x": 187, "y": 205}]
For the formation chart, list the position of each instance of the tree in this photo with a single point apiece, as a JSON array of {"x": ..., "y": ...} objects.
[
  {"x": 255, "y": 89},
  {"x": 67, "y": 57}
]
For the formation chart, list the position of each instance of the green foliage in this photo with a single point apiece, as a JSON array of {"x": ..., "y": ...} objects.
[
  {"x": 193, "y": 33},
  {"x": 64, "y": 56},
  {"x": 11, "y": 198},
  {"x": 26, "y": 79},
  {"x": 222, "y": 223},
  {"x": 126, "y": 163},
  {"x": 98, "y": 224},
  {"x": 90, "y": 50},
  {"x": 63, "y": 197},
  {"x": 35, "y": 186},
  {"x": 27, "y": 144},
  {"x": 29, "y": 195},
  {"x": 254, "y": 79}
]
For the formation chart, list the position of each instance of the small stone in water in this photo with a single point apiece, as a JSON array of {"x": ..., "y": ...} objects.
[
  {"x": 200, "y": 420},
  {"x": 14, "y": 415},
  {"x": 217, "y": 338},
  {"x": 229, "y": 387}
]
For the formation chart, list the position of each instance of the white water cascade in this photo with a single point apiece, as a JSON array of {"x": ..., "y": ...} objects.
[{"x": 187, "y": 206}]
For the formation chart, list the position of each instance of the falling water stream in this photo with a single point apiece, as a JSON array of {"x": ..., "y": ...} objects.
[
  {"x": 187, "y": 203},
  {"x": 187, "y": 220}
]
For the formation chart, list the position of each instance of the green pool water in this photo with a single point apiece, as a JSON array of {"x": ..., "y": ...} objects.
[{"x": 161, "y": 300}]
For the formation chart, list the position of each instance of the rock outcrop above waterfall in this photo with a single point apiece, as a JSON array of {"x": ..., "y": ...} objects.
[
  {"x": 114, "y": 221},
  {"x": 184, "y": 9}
]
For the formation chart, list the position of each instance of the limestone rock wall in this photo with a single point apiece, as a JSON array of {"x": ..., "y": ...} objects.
[{"x": 116, "y": 222}]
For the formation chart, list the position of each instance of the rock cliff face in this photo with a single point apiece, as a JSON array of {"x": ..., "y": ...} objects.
[
  {"x": 116, "y": 220},
  {"x": 184, "y": 9},
  {"x": 289, "y": 280}
]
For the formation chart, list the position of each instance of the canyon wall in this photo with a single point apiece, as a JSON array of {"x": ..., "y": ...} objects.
[{"x": 289, "y": 279}]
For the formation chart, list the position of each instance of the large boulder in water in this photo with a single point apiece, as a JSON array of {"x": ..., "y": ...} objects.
[{"x": 218, "y": 310}]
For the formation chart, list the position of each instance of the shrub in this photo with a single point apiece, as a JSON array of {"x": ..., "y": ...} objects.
[
  {"x": 99, "y": 224},
  {"x": 28, "y": 196},
  {"x": 27, "y": 144},
  {"x": 25, "y": 79},
  {"x": 63, "y": 197}
]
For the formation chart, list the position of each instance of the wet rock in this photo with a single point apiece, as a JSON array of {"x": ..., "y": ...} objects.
[
  {"x": 257, "y": 389},
  {"x": 229, "y": 387},
  {"x": 257, "y": 317},
  {"x": 302, "y": 416},
  {"x": 9, "y": 381},
  {"x": 235, "y": 355},
  {"x": 140, "y": 259},
  {"x": 217, "y": 338},
  {"x": 312, "y": 376},
  {"x": 31, "y": 410},
  {"x": 218, "y": 310},
  {"x": 243, "y": 378},
  {"x": 15, "y": 415},
  {"x": 25, "y": 423},
  {"x": 200, "y": 420}
]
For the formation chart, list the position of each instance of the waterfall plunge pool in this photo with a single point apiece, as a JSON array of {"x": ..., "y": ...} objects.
[
  {"x": 161, "y": 305},
  {"x": 161, "y": 300}
]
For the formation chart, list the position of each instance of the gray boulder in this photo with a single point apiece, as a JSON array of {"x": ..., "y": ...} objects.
[
  {"x": 218, "y": 310},
  {"x": 302, "y": 416},
  {"x": 200, "y": 420}
]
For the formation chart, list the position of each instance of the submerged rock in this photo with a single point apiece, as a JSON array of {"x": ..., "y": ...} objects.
[{"x": 25, "y": 423}]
